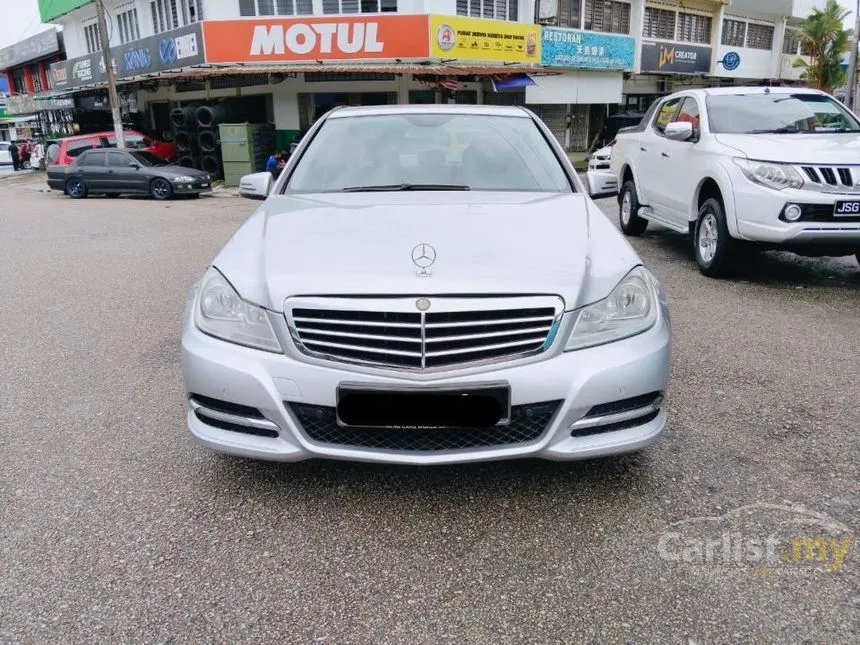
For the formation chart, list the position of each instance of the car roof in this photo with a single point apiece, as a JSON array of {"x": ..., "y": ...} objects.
[
  {"x": 107, "y": 133},
  {"x": 739, "y": 90},
  {"x": 379, "y": 110}
]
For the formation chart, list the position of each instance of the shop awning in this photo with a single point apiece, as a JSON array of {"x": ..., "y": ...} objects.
[{"x": 18, "y": 119}]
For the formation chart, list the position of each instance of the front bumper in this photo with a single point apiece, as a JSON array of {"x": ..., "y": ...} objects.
[
  {"x": 191, "y": 188},
  {"x": 758, "y": 211},
  {"x": 275, "y": 388}
]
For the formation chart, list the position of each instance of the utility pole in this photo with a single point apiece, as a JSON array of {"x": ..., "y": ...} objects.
[
  {"x": 111, "y": 80},
  {"x": 851, "y": 84}
]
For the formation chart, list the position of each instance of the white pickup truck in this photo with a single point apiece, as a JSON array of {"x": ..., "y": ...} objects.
[{"x": 741, "y": 168}]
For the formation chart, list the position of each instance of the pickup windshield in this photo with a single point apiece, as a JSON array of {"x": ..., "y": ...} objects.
[
  {"x": 413, "y": 151},
  {"x": 778, "y": 113}
]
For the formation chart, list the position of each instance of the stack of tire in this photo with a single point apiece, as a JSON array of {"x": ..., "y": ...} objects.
[
  {"x": 184, "y": 122},
  {"x": 263, "y": 142},
  {"x": 208, "y": 117}
]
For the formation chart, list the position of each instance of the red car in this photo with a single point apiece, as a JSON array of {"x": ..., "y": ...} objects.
[{"x": 63, "y": 151}]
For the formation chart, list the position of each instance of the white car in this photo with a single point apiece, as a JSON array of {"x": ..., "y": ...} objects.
[
  {"x": 744, "y": 167},
  {"x": 5, "y": 155},
  {"x": 413, "y": 302}
]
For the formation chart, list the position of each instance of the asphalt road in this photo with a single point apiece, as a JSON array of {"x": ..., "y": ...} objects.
[{"x": 116, "y": 527}]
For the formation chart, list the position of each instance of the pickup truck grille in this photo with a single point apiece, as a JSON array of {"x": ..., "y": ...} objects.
[
  {"x": 453, "y": 332},
  {"x": 841, "y": 178}
]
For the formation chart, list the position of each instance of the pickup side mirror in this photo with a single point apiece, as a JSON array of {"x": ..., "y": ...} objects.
[{"x": 679, "y": 130}]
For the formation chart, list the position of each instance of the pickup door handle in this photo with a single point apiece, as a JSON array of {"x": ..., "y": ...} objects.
[{"x": 666, "y": 154}]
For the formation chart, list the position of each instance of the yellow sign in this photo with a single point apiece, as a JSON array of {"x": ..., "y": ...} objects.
[{"x": 478, "y": 39}]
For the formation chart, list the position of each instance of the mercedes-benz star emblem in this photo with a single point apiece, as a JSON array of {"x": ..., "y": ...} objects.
[
  {"x": 423, "y": 304},
  {"x": 423, "y": 255}
]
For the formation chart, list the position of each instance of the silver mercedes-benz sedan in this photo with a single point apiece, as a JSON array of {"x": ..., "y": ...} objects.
[{"x": 426, "y": 284}]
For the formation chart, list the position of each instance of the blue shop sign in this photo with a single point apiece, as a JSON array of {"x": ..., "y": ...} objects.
[{"x": 586, "y": 49}]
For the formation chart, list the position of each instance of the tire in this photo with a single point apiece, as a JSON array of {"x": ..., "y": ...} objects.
[
  {"x": 857, "y": 257},
  {"x": 76, "y": 188},
  {"x": 26, "y": 165},
  {"x": 628, "y": 209},
  {"x": 715, "y": 248},
  {"x": 160, "y": 189}
]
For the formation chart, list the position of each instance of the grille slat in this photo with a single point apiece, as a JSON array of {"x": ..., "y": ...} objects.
[
  {"x": 468, "y": 350},
  {"x": 371, "y": 350},
  {"x": 440, "y": 338},
  {"x": 493, "y": 334}
]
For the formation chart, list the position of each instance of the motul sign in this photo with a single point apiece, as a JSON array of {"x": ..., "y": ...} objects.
[{"x": 330, "y": 38}]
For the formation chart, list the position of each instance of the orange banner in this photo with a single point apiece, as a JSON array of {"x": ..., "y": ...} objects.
[{"x": 271, "y": 40}]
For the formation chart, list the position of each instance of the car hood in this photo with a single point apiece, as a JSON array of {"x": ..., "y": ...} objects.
[
  {"x": 485, "y": 243},
  {"x": 178, "y": 171},
  {"x": 841, "y": 148}
]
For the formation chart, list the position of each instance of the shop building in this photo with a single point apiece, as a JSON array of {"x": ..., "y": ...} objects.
[{"x": 30, "y": 107}]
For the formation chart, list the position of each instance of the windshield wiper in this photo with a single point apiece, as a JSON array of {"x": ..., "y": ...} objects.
[{"x": 396, "y": 187}]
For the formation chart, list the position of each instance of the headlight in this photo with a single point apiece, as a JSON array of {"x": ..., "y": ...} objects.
[
  {"x": 220, "y": 312},
  {"x": 183, "y": 179},
  {"x": 630, "y": 309},
  {"x": 773, "y": 175}
]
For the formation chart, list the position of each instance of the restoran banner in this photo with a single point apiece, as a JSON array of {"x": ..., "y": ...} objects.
[
  {"x": 288, "y": 40},
  {"x": 479, "y": 39}
]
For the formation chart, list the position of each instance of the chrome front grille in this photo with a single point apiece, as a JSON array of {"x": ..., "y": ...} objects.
[
  {"x": 832, "y": 178},
  {"x": 392, "y": 332}
]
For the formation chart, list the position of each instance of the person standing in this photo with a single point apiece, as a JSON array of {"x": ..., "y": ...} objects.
[
  {"x": 16, "y": 159},
  {"x": 272, "y": 162}
]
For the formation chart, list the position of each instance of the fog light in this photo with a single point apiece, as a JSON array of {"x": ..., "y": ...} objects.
[{"x": 793, "y": 212}]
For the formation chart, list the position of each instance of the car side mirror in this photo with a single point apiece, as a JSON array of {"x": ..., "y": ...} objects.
[
  {"x": 679, "y": 130},
  {"x": 136, "y": 166},
  {"x": 256, "y": 185}
]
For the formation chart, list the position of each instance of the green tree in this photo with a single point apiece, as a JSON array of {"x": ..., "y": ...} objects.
[{"x": 824, "y": 37}]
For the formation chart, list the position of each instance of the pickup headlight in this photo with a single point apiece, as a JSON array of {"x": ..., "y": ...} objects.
[
  {"x": 773, "y": 175},
  {"x": 183, "y": 179},
  {"x": 220, "y": 312},
  {"x": 630, "y": 309}
]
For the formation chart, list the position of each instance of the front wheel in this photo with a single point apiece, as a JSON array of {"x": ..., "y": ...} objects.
[
  {"x": 160, "y": 189},
  {"x": 714, "y": 246},
  {"x": 76, "y": 188},
  {"x": 26, "y": 165},
  {"x": 857, "y": 257},
  {"x": 628, "y": 211}
]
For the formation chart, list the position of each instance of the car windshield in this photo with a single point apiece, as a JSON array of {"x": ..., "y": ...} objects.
[
  {"x": 778, "y": 113},
  {"x": 429, "y": 152},
  {"x": 147, "y": 158}
]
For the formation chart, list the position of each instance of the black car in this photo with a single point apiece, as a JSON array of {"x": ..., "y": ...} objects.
[{"x": 126, "y": 172}]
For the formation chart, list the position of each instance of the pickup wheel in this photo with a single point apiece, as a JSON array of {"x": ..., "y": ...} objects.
[
  {"x": 714, "y": 246},
  {"x": 628, "y": 211}
]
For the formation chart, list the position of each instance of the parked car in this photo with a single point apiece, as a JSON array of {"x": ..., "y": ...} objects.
[
  {"x": 61, "y": 152},
  {"x": 117, "y": 172},
  {"x": 5, "y": 155},
  {"x": 744, "y": 167},
  {"x": 401, "y": 305}
]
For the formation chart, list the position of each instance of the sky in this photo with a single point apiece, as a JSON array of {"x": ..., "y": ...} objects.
[
  {"x": 18, "y": 24},
  {"x": 25, "y": 19}
]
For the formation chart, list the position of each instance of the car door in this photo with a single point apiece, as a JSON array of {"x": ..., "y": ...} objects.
[
  {"x": 679, "y": 162},
  {"x": 653, "y": 183},
  {"x": 92, "y": 167},
  {"x": 122, "y": 176}
]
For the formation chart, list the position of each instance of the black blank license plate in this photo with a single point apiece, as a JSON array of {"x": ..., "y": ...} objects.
[
  {"x": 481, "y": 407},
  {"x": 847, "y": 208}
]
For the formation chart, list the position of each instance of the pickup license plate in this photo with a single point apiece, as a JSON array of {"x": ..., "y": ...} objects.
[
  {"x": 417, "y": 408},
  {"x": 847, "y": 208}
]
